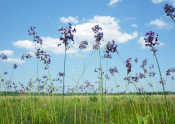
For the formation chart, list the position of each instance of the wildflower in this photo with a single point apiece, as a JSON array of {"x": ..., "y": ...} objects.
[
  {"x": 43, "y": 106},
  {"x": 144, "y": 63},
  {"x": 169, "y": 9},
  {"x": 107, "y": 77},
  {"x": 66, "y": 34},
  {"x": 61, "y": 74},
  {"x": 128, "y": 65},
  {"x": 168, "y": 72},
  {"x": 3, "y": 56},
  {"x": 21, "y": 91},
  {"x": 113, "y": 70},
  {"x": 98, "y": 36},
  {"x": 5, "y": 73},
  {"x": 152, "y": 74},
  {"x": 83, "y": 45},
  {"x": 136, "y": 60},
  {"x": 110, "y": 48},
  {"x": 141, "y": 90},
  {"x": 151, "y": 41},
  {"x": 141, "y": 75},
  {"x": 15, "y": 66}
]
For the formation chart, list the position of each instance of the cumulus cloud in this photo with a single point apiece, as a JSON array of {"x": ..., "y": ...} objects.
[
  {"x": 142, "y": 43},
  {"x": 7, "y": 52},
  {"x": 111, "y": 30},
  {"x": 157, "y": 1},
  {"x": 112, "y": 2},
  {"x": 24, "y": 44},
  {"x": 160, "y": 24},
  {"x": 69, "y": 19},
  {"x": 134, "y": 25}
]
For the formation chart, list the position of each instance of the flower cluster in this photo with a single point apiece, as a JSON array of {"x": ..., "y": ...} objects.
[
  {"x": 66, "y": 35},
  {"x": 32, "y": 32},
  {"x": 128, "y": 65},
  {"x": 169, "y": 9},
  {"x": 40, "y": 54},
  {"x": 83, "y": 45},
  {"x": 15, "y": 66},
  {"x": 110, "y": 48},
  {"x": 27, "y": 56},
  {"x": 170, "y": 72},
  {"x": 151, "y": 41},
  {"x": 3, "y": 56},
  {"x": 113, "y": 70},
  {"x": 98, "y": 36}
]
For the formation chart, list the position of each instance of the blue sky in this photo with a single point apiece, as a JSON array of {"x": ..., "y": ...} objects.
[{"x": 125, "y": 21}]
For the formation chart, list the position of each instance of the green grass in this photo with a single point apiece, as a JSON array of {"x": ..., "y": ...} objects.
[{"x": 117, "y": 109}]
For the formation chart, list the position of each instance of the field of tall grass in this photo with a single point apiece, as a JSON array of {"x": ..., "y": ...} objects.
[{"x": 43, "y": 102}]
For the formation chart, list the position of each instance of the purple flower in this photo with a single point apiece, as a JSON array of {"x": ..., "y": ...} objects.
[
  {"x": 61, "y": 74},
  {"x": 3, "y": 56},
  {"x": 110, "y": 48},
  {"x": 128, "y": 65},
  {"x": 151, "y": 41},
  {"x": 169, "y": 9},
  {"x": 98, "y": 36},
  {"x": 15, "y": 66},
  {"x": 5, "y": 73},
  {"x": 66, "y": 35},
  {"x": 152, "y": 74},
  {"x": 113, "y": 70},
  {"x": 83, "y": 45},
  {"x": 136, "y": 60}
]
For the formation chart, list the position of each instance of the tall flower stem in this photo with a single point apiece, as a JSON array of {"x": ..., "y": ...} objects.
[
  {"x": 101, "y": 75},
  {"x": 161, "y": 82},
  {"x": 63, "y": 84},
  {"x": 172, "y": 19}
]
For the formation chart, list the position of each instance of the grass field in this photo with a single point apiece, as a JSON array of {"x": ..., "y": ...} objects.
[{"x": 86, "y": 109}]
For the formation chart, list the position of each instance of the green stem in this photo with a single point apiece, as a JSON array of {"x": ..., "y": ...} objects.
[
  {"x": 63, "y": 84},
  {"x": 162, "y": 82}
]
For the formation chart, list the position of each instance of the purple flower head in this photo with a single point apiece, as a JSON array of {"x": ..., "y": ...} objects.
[
  {"x": 169, "y": 9},
  {"x": 110, "y": 48},
  {"x": 151, "y": 41},
  {"x": 140, "y": 89},
  {"x": 28, "y": 56},
  {"x": 151, "y": 66},
  {"x": 83, "y": 45},
  {"x": 15, "y": 66},
  {"x": 3, "y": 56},
  {"x": 152, "y": 74},
  {"x": 66, "y": 35},
  {"x": 113, "y": 70},
  {"x": 36, "y": 38},
  {"x": 5, "y": 73},
  {"x": 144, "y": 63},
  {"x": 61, "y": 74},
  {"x": 168, "y": 72},
  {"x": 136, "y": 60},
  {"x": 98, "y": 35},
  {"x": 128, "y": 65}
]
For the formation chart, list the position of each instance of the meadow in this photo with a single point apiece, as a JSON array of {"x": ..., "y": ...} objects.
[{"x": 42, "y": 101}]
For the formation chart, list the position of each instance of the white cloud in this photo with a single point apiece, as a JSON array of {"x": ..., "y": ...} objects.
[
  {"x": 160, "y": 24},
  {"x": 7, "y": 52},
  {"x": 134, "y": 25},
  {"x": 70, "y": 19},
  {"x": 111, "y": 30},
  {"x": 112, "y": 2},
  {"x": 24, "y": 44},
  {"x": 157, "y": 1},
  {"x": 142, "y": 42},
  {"x": 14, "y": 60}
]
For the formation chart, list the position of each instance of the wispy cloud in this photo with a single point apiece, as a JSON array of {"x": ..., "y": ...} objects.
[
  {"x": 157, "y": 1},
  {"x": 160, "y": 24},
  {"x": 69, "y": 19},
  {"x": 24, "y": 44},
  {"x": 7, "y": 52},
  {"x": 112, "y": 2},
  {"x": 134, "y": 25}
]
